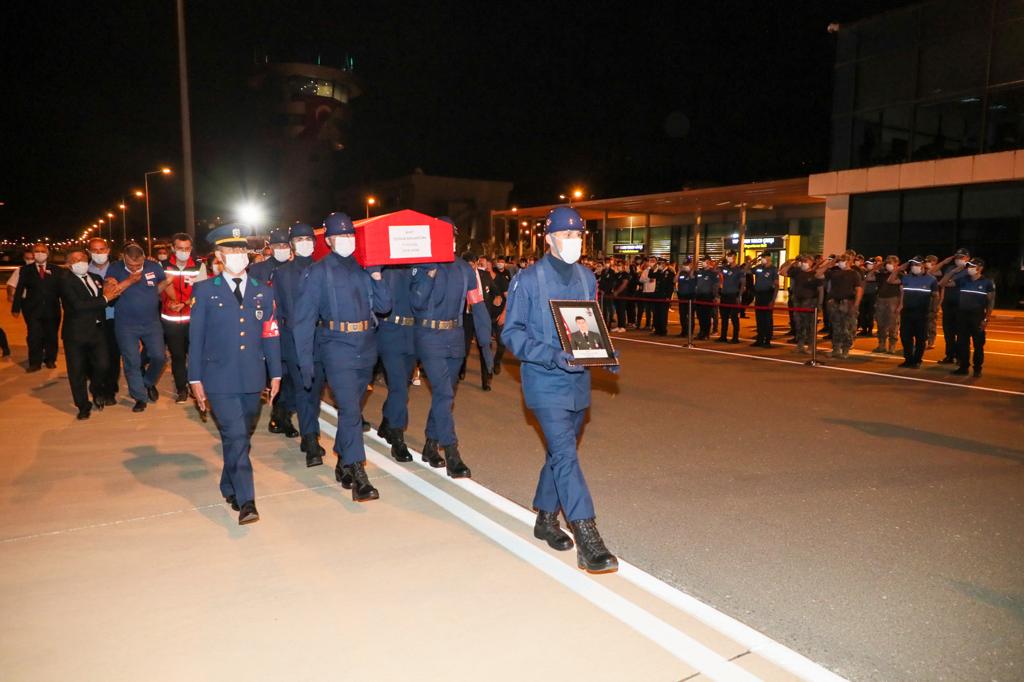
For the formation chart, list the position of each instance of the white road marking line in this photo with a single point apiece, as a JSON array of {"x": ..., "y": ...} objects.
[
  {"x": 754, "y": 641},
  {"x": 681, "y": 646},
  {"x": 832, "y": 367}
]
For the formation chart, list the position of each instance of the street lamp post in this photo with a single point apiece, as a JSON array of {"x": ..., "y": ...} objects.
[
  {"x": 149, "y": 230},
  {"x": 370, "y": 201},
  {"x": 124, "y": 220}
]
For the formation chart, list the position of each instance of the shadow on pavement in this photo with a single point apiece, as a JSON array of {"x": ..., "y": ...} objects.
[{"x": 883, "y": 430}]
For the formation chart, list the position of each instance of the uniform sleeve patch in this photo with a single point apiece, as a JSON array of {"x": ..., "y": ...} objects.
[{"x": 270, "y": 330}]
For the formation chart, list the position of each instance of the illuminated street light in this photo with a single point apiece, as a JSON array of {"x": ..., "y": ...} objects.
[
  {"x": 149, "y": 233},
  {"x": 250, "y": 214},
  {"x": 370, "y": 201}
]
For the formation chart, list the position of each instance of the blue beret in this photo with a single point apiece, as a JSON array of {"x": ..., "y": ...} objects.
[
  {"x": 337, "y": 224},
  {"x": 278, "y": 236},
  {"x": 301, "y": 230},
  {"x": 229, "y": 234}
]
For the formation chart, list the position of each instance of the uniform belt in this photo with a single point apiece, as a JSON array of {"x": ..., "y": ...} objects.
[
  {"x": 441, "y": 324},
  {"x": 346, "y": 327},
  {"x": 401, "y": 321}
]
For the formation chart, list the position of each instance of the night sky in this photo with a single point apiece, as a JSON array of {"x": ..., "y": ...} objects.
[{"x": 620, "y": 97}]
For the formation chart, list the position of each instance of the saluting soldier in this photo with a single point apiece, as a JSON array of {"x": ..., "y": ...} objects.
[
  {"x": 287, "y": 279},
  {"x": 440, "y": 294},
  {"x": 556, "y": 390},
  {"x": 234, "y": 340},
  {"x": 341, "y": 297}
]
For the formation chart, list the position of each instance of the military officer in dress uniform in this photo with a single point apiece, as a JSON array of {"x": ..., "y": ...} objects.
[
  {"x": 266, "y": 271},
  {"x": 234, "y": 340},
  {"x": 341, "y": 297},
  {"x": 287, "y": 279},
  {"x": 396, "y": 339},
  {"x": 556, "y": 390},
  {"x": 440, "y": 294}
]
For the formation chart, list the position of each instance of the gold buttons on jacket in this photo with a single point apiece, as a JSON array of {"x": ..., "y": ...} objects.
[
  {"x": 241, "y": 333},
  {"x": 241, "y": 319},
  {"x": 242, "y": 347}
]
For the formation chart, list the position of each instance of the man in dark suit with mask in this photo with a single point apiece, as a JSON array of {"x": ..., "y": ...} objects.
[{"x": 37, "y": 296}]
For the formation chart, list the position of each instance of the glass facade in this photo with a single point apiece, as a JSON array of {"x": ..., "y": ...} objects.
[
  {"x": 988, "y": 220},
  {"x": 939, "y": 79}
]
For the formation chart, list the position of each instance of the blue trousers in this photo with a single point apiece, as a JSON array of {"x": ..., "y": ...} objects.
[
  {"x": 235, "y": 415},
  {"x": 443, "y": 375},
  {"x": 286, "y": 396},
  {"x": 561, "y": 484},
  {"x": 152, "y": 338},
  {"x": 348, "y": 385},
  {"x": 398, "y": 368},
  {"x": 306, "y": 403}
]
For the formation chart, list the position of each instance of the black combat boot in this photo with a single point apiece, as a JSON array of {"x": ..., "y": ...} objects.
[
  {"x": 314, "y": 453},
  {"x": 384, "y": 430},
  {"x": 362, "y": 489},
  {"x": 547, "y": 529},
  {"x": 591, "y": 554},
  {"x": 276, "y": 419},
  {"x": 342, "y": 475},
  {"x": 453, "y": 462},
  {"x": 430, "y": 454},
  {"x": 485, "y": 378},
  {"x": 399, "y": 450},
  {"x": 288, "y": 428}
]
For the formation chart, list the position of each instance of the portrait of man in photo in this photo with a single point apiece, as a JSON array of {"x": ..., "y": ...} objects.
[{"x": 583, "y": 338}]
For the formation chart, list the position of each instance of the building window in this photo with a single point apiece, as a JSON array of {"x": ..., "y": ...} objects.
[
  {"x": 950, "y": 128},
  {"x": 1007, "y": 53},
  {"x": 1005, "y": 127},
  {"x": 875, "y": 223},
  {"x": 929, "y": 222},
  {"x": 882, "y": 136},
  {"x": 943, "y": 70},
  {"x": 884, "y": 79}
]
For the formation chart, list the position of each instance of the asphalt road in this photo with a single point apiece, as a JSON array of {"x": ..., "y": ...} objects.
[{"x": 872, "y": 523}]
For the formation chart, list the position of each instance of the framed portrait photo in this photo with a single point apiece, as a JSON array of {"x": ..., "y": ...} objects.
[{"x": 582, "y": 331}]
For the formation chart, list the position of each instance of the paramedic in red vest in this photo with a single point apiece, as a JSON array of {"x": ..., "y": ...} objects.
[{"x": 183, "y": 270}]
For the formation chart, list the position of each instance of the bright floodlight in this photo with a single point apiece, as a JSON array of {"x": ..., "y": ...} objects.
[{"x": 250, "y": 214}]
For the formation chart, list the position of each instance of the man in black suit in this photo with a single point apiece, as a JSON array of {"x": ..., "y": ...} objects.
[
  {"x": 38, "y": 296},
  {"x": 584, "y": 339},
  {"x": 85, "y": 339}
]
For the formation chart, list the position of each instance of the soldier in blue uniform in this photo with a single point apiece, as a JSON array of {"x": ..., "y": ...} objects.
[
  {"x": 950, "y": 292},
  {"x": 556, "y": 390},
  {"x": 916, "y": 296},
  {"x": 686, "y": 285},
  {"x": 766, "y": 287},
  {"x": 439, "y": 295},
  {"x": 734, "y": 281},
  {"x": 234, "y": 340},
  {"x": 396, "y": 341},
  {"x": 977, "y": 298},
  {"x": 706, "y": 287},
  {"x": 341, "y": 297},
  {"x": 265, "y": 271},
  {"x": 287, "y": 278}
]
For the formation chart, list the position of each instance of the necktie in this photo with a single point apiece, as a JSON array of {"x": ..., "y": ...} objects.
[
  {"x": 42, "y": 272},
  {"x": 238, "y": 289},
  {"x": 89, "y": 285}
]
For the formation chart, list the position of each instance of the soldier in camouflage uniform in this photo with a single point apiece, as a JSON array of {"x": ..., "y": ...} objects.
[
  {"x": 887, "y": 305},
  {"x": 844, "y": 293}
]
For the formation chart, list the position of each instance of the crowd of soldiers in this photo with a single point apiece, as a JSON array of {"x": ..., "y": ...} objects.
[
  {"x": 282, "y": 328},
  {"x": 853, "y": 296}
]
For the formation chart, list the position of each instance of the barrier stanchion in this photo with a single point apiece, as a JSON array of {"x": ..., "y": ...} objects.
[
  {"x": 689, "y": 323},
  {"x": 813, "y": 362}
]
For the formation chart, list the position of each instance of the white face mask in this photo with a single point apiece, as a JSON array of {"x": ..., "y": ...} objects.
[
  {"x": 40, "y": 257},
  {"x": 182, "y": 256},
  {"x": 972, "y": 271},
  {"x": 961, "y": 261},
  {"x": 216, "y": 267},
  {"x": 569, "y": 249},
  {"x": 805, "y": 266},
  {"x": 869, "y": 265},
  {"x": 843, "y": 265},
  {"x": 304, "y": 248},
  {"x": 282, "y": 255},
  {"x": 235, "y": 263},
  {"x": 344, "y": 245},
  {"x": 500, "y": 266},
  {"x": 916, "y": 269},
  {"x": 890, "y": 267},
  {"x": 80, "y": 268},
  {"x": 99, "y": 258},
  {"x": 162, "y": 257}
]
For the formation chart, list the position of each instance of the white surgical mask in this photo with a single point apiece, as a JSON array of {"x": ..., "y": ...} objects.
[
  {"x": 916, "y": 269},
  {"x": 843, "y": 265},
  {"x": 890, "y": 267},
  {"x": 501, "y": 266},
  {"x": 569, "y": 249},
  {"x": 961, "y": 261},
  {"x": 344, "y": 245},
  {"x": 236, "y": 263},
  {"x": 869, "y": 265},
  {"x": 162, "y": 257},
  {"x": 972, "y": 271},
  {"x": 304, "y": 249},
  {"x": 805, "y": 266},
  {"x": 216, "y": 267},
  {"x": 182, "y": 256},
  {"x": 99, "y": 258},
  {"x": 40, "y": 258},
  {"x": 282, "y": 255},
  {"x": 80, "y": 268}
]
